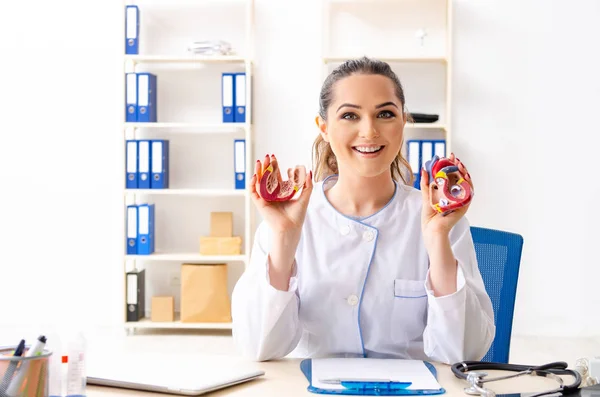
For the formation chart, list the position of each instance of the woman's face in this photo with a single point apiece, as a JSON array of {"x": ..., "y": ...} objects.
[{"x": 365, "y": 124}]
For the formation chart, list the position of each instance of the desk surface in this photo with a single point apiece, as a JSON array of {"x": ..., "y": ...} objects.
[{"x": 284, "y": 378}]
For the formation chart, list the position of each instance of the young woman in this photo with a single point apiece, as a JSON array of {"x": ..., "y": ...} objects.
[{"x": 360, "y": 264}]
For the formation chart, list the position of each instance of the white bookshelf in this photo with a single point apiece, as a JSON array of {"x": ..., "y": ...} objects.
[
  {"x": 188, "y": 257},
  {"x": 188, "y": 192},
  {"x": 354, "y": 28},
  {"x": 201, "y": 145},
  {"x": 198, "y": 59},
  {"x": 191, "y": 128},
  {"x": 177, "y": 324}
]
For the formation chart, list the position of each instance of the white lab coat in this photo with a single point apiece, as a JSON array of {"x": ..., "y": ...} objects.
[{"x": 361, "y": 288}]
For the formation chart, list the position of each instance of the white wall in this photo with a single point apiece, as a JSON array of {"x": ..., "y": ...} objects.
[
  {"x": 526, "y": 82},
  {"x": 525, "y": 87}
]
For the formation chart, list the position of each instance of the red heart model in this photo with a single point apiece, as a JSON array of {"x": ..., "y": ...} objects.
[
  {"x": 448, "y": 189},
  {"x": 272, "y": 188}
]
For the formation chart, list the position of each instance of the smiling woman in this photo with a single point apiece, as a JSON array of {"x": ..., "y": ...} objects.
[
  {"x": 390, "y": 111},
  {"x": 378, "y": 272}
]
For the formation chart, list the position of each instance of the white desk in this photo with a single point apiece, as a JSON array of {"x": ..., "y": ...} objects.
[{"x": 284, "y": 378}]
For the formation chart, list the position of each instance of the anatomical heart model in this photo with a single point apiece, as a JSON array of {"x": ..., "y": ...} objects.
[
  {"x": 273, "y": 188},
  {"x": 448, "y": 189}
]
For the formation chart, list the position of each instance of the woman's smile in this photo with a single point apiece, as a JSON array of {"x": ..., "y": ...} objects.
[{"x": 368, "y": 151}]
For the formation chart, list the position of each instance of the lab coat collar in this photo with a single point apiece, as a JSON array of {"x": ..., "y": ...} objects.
[{"x": 370, "y": 219}]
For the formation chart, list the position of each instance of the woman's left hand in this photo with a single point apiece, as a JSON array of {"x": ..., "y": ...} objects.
[{"x": 432, "y": 222}]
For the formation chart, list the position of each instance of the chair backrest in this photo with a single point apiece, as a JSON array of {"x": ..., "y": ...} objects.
[{"x": 499, "y": 258}]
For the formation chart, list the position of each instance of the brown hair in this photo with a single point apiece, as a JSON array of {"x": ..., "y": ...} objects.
[{"x": 324, "y": 160}]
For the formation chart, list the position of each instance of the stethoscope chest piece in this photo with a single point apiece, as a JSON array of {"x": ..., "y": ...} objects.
[{"x": 476, "y": 385}]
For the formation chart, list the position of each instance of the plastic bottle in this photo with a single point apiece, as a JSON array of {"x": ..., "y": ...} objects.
[{"x": 76, "y": 371}]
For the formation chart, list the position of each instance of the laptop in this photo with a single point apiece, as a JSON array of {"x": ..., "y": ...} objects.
[{"x": 170, "y": 375}]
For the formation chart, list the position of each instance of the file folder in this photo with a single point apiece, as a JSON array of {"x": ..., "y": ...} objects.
[
  {"x": 144, "y": 158},
  {"x": 239, "y": 158},
  {"x": 420, "y": 152},
  {"x": 145, "y": 242},
  {"x": 147, "y": 90},
  {"x": 159, "y": 153},
  {"x": 240, "y": 98},
  {"x": 132, "y": 30},
  {"x": 132, "y": 229},
  {"x": 131, "y": 101},
  {"x": 131, "y": 172},
  {"x": 439, "y": 148},
  {"x": 414, "y": 150},
  {"x": 227, "y": 87},
  {"x": 418, "y": 378},
  {"x": 426, "y": 153},
  {"x": 136, "y": 295}
]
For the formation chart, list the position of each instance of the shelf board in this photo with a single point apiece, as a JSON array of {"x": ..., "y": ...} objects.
[
  {"x": 188, "y": 257},
  {"x": 340, "y": 59},
  {"x": 425, "y": 126},
  {"x": 185, "y": 58},
  {"x": 189, "y": 192},
  {"x": 196, "y": 128},
  {"x": 147, "y": 323}
]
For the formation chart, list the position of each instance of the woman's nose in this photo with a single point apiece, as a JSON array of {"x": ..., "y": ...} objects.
[{"x": 367, "y": 130}]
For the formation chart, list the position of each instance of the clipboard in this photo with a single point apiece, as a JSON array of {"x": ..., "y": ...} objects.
[{"x": 306, "y": 368}]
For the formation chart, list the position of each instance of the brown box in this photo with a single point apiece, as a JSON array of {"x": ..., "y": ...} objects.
[
  {"x": 221, "y": 224},
  {"x": 163, "y": 308},
  {"x": 220, "y": 245},
  {"x": 204, "y": 296}
]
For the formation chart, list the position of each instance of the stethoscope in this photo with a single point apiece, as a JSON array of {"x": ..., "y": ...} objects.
[{"x": 471, "y": 371}]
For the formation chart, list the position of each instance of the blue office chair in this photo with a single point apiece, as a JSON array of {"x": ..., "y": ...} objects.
[{"x": 499, "y": 257}]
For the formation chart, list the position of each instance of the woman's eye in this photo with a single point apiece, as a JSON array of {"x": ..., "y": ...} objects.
[
  {"x": 349, "y": 116},
  {"x": 386, "y": 114}
]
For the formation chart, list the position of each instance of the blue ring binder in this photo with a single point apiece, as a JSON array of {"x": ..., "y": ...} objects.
[{"x": 306, "y": 368}]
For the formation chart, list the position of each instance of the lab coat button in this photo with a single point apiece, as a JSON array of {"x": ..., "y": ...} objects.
[
  {"x": 368, "y": 235},
  {"x": 352, "y": 300},
  {"x": 345, "y": 230}
]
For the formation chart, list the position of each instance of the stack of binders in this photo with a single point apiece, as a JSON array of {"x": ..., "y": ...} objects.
[
  {"x": 233, "y": 97},
  {"x": 147, "y": 163},
  {"x": 420, "y": 152},
  {"x": 140, "y": 229},
  {"x": 140, "y": 95}
]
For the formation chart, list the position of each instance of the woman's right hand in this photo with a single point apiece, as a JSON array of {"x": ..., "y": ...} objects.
[{"x": 285, "y": 218}]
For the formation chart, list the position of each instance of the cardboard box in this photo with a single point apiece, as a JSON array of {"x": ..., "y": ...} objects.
[
  {"x": 163, "y": 308},
  {"x": 220, "y": 245},
  {"x": 221, "y": 224},
  {"x": 204, "y": 295}
]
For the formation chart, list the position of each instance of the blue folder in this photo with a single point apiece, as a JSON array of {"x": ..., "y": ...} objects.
[
  {"x": 419, "y": 154},
  {"x": 368, "y": 389}
]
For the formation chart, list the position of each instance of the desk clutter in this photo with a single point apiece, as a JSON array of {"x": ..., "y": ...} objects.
[
  {"x": 204, "y": 296},
  {"x": 44, "y": 368}
]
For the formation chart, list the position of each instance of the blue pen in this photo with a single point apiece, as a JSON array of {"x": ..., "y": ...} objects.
[
  {"x": 368, "y": 384},
  {"x": 11, "y": 368}
]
